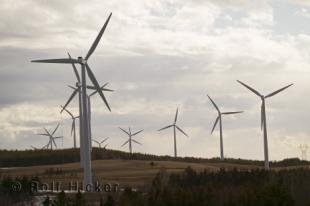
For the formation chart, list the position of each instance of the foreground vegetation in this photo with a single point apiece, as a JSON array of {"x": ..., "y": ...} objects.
[
  {"x": 18, "y": 158},
  {"x": 206, "y": 188}
]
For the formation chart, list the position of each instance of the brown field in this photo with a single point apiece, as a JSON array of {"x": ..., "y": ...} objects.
[{"x": 134, "y": 173}]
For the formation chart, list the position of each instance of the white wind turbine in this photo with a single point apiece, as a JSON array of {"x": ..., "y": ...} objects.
[
  {"x": 101, "y": 142},
  {"x": 219, "y": 120},
  {"x": 175, "y": 127},
  {"x": 51, "y": 141},
  {"x": 73, "y": 132},
  {"x": 263, "y": 116},
  {"x": 84, "y": 126},
  {"x": 130, "y": 139}
]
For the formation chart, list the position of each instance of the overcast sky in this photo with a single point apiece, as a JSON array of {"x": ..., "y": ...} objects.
[{"x": 158, "y": 55}]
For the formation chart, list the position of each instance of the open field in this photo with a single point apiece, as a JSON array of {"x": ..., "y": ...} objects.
[{"x": 134, "y": 173}]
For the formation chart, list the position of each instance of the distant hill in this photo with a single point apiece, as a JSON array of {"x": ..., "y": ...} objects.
[{"x": 20, "y": 158}]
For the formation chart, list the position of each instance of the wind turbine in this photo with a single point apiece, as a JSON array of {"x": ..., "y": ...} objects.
[
  {"x": 85, "y": 156},
  {"x": 263, "y": 116},
  {"x": 73, "y": 132},
  {"x": 130, "y": 139},
  {"x": 175, "y": 126},
  {"x": 51, "y": 137},
  {"x": 219, "y": 119},
  {"x": 76, "y": 90},
  {"x": 99, "y": 143}
]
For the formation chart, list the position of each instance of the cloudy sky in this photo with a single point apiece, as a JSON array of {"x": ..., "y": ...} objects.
[{"x": 158, "y": 55}]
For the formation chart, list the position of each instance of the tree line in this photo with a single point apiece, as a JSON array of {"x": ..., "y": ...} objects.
[{"x": 20, "y": 158}]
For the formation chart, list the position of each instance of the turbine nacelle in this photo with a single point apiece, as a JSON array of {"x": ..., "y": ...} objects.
[{"x": 82, "y": 61}]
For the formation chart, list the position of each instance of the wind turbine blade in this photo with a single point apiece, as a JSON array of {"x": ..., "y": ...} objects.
[
  {"x": 59, "y": 61},
  {"x": 94, "y": 45},
  {"x": 90, "y": 87},
  {"x": 232, "y": 112},
  {"x": 63, "y": 108},
  {"x": 215, "y": 123},
  {"x": 107, "y": 90},
  {"x": 54, "y": 142},
  {"x": 75, "y": 70},
  {"x": 125, "y": 143},
  {"x": 57, "y": 137},
  {"x": 104, "y": 140},
  {"x": 137, "y": 133},
  {"x": 250, "y": 88},
  {"x": 55, "y": 129},
  {"x": 105, "y": 146},
  {"x": 43, "y": 134},
  {"x": 213, "y": 103},
  {"x": 124, "y": 131},
  {"x": 280, "y": 90},
  {"x": 96, "y": 141},
  {"x": 47, "y": 132},
  {"x": 165, "y": 127},
  {"x": 136, "y": 142},
  {"x": 181, "y": 130},
  {"x": 70, "y": 98},
  {"x": 176, "y": 115},
  {"x": 102, "y": 88},
  {"x": 94, "y": 81}
]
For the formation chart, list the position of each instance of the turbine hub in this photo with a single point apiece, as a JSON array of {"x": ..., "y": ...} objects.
[
  {"x": 78, "y": 84},
  {"x": 81, "y": 60}
]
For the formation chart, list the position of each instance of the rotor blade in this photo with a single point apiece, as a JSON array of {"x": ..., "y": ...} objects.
[
  {"x": 136, "y": 142},
  {"x": 105, "y": 146},
  {"x": 215, "y": 123},
  {"x": 54, "y": 143},
  {"x": 124, "y": 131},
  {"x": 43, "y": 134},
  {"x": 137, "y": 133},
  {"x": 90, "y": 87},
  {"x": 104, "y": 140},
  {"x": 176, "y": 115},
  {"x": 75, "y": 70},
  {"x": 250, "y": 88},
  {"x": 165, "y": 127},
  {"x": 63, "y": 108},
  {"x": 55, "y": 129},
  {"x": 94, "y": 81},
  {"x": 70, "y": 98},
  {"x": 96, "y": 141},
  {"x": 94, "y": 45},
  {"x": 181, "y": 130},
  {"x": 280, "y": 90},
  {"x": 107, "y": 90},
  {"x": 103, "y": 89},
  {"x": 60, "y": 61},
  {"x": 57, "y": 137},
  {"x": 47, "y": 132},
  {"x": 125, "y": 143},
  {"x": 213, "y": 103},
  {"x": 232, "y": 112}
]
